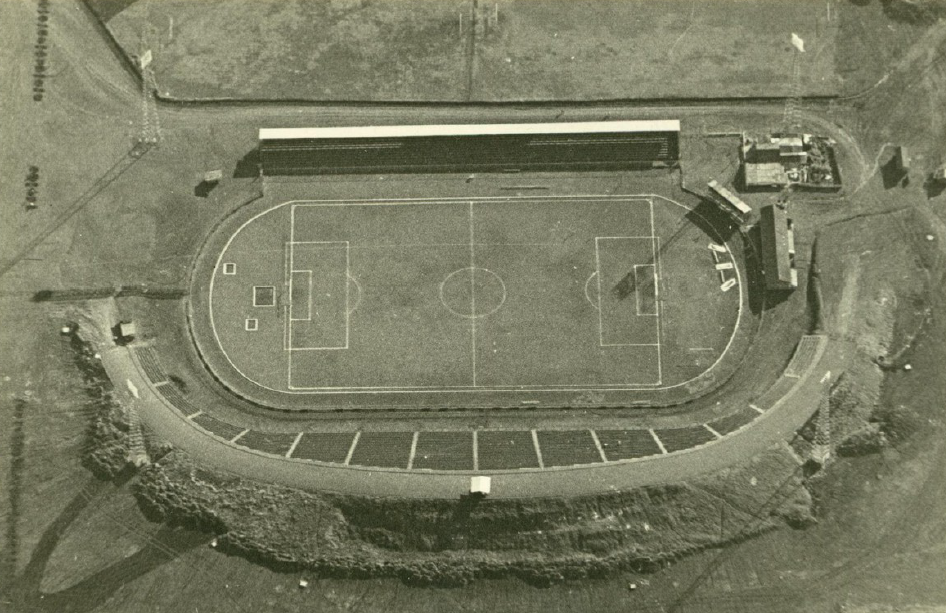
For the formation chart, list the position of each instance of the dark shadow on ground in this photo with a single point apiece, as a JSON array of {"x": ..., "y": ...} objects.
[
  {"x": 934, "y": 188},
  {"x": 891, "y": 175},
  {"x": 248, "y": 167},
  {"x": 106, "y": 9},
  {"x": 89, "y": 594},
  {"x": 203, "y": 189}
]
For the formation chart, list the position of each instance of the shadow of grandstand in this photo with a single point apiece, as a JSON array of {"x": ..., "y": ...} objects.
[
  {"x": 249, "y": 166},
  {"x": 712, "y": 220}
]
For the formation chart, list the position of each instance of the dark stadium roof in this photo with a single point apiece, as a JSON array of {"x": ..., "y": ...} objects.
[
  {"x": 776, "y": 260},
  {"x": 583, "y": 127}
]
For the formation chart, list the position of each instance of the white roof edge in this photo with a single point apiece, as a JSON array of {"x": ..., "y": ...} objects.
[{"x": 659, "y": 125}]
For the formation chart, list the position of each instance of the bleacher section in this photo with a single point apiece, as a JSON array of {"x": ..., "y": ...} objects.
[
  {"x": 444, "y": 451},
  {"x": 498, "y": 450},
  {"x": 324, "y": 446},
  {"x": 270, "y": 442},
  {"x": 384, "y": 449},
  {"x": 568, "y": 447},
  {"x": 176, "y": 398},
  {"x": 731, "y": 423},
  {"x": 627, "y": 444},
  {"x": 149, "y": 363},
  {"x": 775, "y": 393},
  {"x": 804, "y": 356},
  {"x": 220, "y": 428},
  {"x": 678, "y": 439}
]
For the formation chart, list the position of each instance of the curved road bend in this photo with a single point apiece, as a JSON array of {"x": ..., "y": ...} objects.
[{"x": 776, "y": 425}]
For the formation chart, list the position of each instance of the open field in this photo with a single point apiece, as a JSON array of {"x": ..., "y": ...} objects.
[{"x": 518, "y": 50}]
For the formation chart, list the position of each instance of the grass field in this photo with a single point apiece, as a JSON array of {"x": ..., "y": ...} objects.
[
  {"x": 519, "y": 49},
  {"x": 470, "y": 296}
]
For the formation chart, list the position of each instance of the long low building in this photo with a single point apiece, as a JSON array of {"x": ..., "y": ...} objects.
[
  {"x": 469, "y": 147},
  {"x": 778, "y": 249}
]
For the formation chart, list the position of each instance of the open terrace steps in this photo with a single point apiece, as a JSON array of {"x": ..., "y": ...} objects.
[
  {"x": 805, "y": 354},
  {"x": 678, "y": 439},
  {"x": 734, "y": 421},
  {"x": 627, "y": 444},
  {"x": 277, "y": 443},
  {"x": 382, "y": 449},
  {"x": 483, "y": 450},
  {"x": 444, "y": 451},
  {"x": 568, "y": 447},
  {"x": 149, "y": 363},
  {"x": 506, "y": 449},
  {"x": 330, "y": 447},
  {"x": 174, "y": 395},
  {"x": 215, "y": 426}
]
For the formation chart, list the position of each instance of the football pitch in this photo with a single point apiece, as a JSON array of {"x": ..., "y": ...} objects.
[{"x": 450, "y": 295}]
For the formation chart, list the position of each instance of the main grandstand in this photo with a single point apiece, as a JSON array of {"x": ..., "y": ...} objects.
[{"x": 469, "y": 147}]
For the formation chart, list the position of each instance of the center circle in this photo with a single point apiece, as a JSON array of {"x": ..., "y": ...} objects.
[{"x": 473, "y": 292}]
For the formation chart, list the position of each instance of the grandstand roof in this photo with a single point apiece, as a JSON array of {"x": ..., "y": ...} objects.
[{"x": 405, "y": 131}]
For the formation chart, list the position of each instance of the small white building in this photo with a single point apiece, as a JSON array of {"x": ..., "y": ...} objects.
[{"x": 480, "y": 485}]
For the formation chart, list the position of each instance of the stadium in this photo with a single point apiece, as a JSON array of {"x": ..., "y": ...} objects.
[{"x": 403, "y": 315}]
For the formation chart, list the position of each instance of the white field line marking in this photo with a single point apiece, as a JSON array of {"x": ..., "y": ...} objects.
[
  {"x": 288, "y": 289},
  {"x": 197, "y": 414},
  {"x": 600, "y": 448},
  {"x": 351, "y": 450},
  {"x": 292, "y": 266},
  {"x": 472, "y": 296},
  {"x": 598, "y": 275},
  {"x": 289, "y": 362},
  {"x": 290, "y": 348},
  {"x": 347, "y": 304},
  {"x": 628, "y": 198},
  {"x": 410, "y": 458},
  {"x": 308, "y": 312},
  {"x": 660, "y": 372},
  {"x": 476, "y": 450},
  {"x": 712, "y": 431},
  {"x": 757, "y": 409},
  {"x": 264, "y": 306},
  {"x": 658, "y": 441},
  {"x": 603, "y": 387},
  {"x": 239, "y": 436},
  {"x": 637, "y": 294},
  {"x": 292, "y": 204},
  {"x": 538, "y": 450},
  {"x": 295, "y": 444}
]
